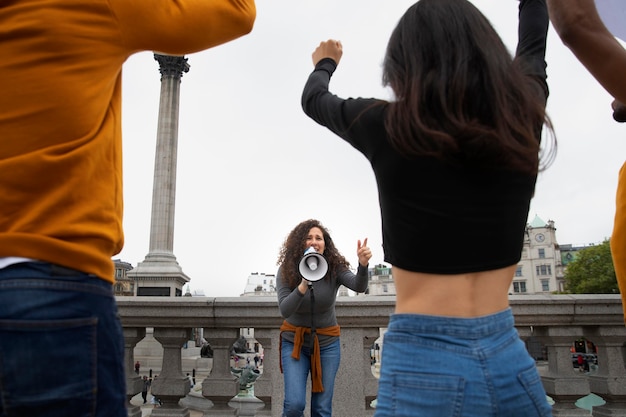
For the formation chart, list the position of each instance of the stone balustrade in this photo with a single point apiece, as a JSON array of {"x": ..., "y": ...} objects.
[{"x": 554, "y": 321}]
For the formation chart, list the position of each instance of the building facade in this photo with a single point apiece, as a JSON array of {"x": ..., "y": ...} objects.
[
  {"x": 124, "y": 285},
  {"x": 260, "y": 284},
  {"x": 540, "y": 269},
  {"x": 381, "y": 281}
]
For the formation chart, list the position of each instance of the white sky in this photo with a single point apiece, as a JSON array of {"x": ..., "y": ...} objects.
[{"x": 251, "y": 164}]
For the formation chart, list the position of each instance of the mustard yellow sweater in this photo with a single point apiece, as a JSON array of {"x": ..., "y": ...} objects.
[
  {"x": 60, "y": 114},
  {"x": 618, "y": 238}
]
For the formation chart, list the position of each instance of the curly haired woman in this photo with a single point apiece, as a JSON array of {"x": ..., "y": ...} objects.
[{"x": 309, "y": 335}]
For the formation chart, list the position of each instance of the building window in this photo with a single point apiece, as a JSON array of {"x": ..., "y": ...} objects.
[
  {"x": 385, "y": 289},
  {"x": 518, "y": 271},
  {"x": 544, "y": 270},
  {"x": 542, "y": 253},
  {"x": 545, "y": 285},
  {"x": 519, "y": 286}
]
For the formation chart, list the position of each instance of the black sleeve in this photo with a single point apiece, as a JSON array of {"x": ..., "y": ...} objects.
[
  {"x": 341, "y": 116},
  {"x": 318, "y": 103},
  {"x": 532, "y": 37}
]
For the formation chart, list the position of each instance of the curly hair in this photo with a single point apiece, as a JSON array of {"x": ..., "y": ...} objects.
[{"x": 293, "y": 249}]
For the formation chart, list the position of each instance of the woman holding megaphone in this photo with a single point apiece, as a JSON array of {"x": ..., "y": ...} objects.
[{"x": 310, "y": 272}]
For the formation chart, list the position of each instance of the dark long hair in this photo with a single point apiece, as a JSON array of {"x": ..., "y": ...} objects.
[
  {"x": 460, "y": 96},
  {"x": 293, "y": 249}
]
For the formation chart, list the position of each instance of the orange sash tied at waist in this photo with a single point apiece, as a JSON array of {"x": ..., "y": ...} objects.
[{"x": 298, "y": 341}]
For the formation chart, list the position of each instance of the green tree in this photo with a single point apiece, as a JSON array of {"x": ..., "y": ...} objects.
[{"x": 592, "y": 271}]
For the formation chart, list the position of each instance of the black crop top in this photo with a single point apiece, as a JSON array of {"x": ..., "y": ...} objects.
[{"x": 437, "y": 217}]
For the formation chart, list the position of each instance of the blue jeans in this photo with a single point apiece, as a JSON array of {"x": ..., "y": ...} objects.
[
  {"x": 296, "y": 373},
  {"x": 450, "y": 367},
  {"x": 61, "y": 344}
]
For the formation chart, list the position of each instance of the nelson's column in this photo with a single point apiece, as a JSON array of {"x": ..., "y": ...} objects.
[{"x": 160, "y": 274}]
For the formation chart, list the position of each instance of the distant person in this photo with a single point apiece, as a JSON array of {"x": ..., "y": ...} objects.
[
  {"x": 309, "y": 335},
  {"x": 137, "y": 366},
  {"x": 144, "y": 389},
  {"x": 580, "y": 27},
  {"x": 456, "y": 157},
  {"x": 61, "y": 187}
]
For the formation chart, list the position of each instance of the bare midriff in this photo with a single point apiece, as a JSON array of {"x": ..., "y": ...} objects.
[{"x": 462, "y": 295}]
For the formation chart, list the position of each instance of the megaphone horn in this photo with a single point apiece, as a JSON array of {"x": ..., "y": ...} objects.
[{"x": 313, "y": 265}]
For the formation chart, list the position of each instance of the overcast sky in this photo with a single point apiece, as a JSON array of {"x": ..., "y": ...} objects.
[{"x": 251, "y": 164}]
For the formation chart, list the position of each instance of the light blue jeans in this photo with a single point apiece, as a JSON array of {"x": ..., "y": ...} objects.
[
  {"x": 296, "y": 373},
  {"x": 451, "y": 367},
  {"x": 61, "y": 344}
]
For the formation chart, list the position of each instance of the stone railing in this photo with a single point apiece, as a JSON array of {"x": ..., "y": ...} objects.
[{"x": 553, "y": 320}]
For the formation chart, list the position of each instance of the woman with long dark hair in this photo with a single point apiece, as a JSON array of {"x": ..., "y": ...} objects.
[{"x": 456, "y": 156}]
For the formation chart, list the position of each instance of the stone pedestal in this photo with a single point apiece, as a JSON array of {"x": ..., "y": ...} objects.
[{"x": 245, "y": 405}]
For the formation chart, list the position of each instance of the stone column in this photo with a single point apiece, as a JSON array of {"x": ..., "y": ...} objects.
[
  {"x": 171, "y": 385},
  {"x": 164, "y": 188},
  {"x": 132, "y": 336},
  {"x": 160, "y": 270}
]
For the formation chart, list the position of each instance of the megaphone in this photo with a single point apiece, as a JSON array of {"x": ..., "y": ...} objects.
[{"x": 313, "y": 265}]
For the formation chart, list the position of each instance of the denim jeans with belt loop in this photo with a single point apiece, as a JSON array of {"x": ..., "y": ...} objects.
[
  {"x": 434, "y": 366},
  {"x": 61, "y": 344}
]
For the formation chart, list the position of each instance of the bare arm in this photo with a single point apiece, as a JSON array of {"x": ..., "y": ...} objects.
[{"x": 581, "y": 29}]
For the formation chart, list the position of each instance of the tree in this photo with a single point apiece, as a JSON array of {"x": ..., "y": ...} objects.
[{"x": 592, "y": 271}]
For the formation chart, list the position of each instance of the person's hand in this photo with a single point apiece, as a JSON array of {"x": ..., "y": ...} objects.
[
  {"x": 328, "y": 49},
  {"x": 619, "y": 111},
  {"x": 363, "y": 252},
  {"x": 302, "y": 287}
]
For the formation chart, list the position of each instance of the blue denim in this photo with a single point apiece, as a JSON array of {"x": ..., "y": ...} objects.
[
  {"x": 296, "y": 374},
  {"x": 61, "y": 344},
  {"x": 451, "y": 367}
]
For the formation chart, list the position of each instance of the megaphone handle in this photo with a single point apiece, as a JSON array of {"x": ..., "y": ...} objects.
[{"x": 312, "y": 316}]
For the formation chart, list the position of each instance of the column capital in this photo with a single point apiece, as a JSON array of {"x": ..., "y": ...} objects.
[{"x": 171, "y": 66}]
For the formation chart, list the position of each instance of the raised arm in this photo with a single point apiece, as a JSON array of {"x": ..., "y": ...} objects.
[
  {"x": 184, "y": 26},
  {"x": 581, "y": 29},
  {"x": 532, "y": 39}
]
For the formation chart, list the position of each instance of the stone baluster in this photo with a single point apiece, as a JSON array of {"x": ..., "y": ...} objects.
[
  {"x": 220, "y": 386},
  {"x": 132, "y": 336},
  {"x": 370, "y": 382},
  {"x": 561, "y": 382},
  {"x": 354, "y": 370},
  {"x": 609, "y": 381},
  {"x": 171, "y": 385},
  {"x": 263, "y": 388}
]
